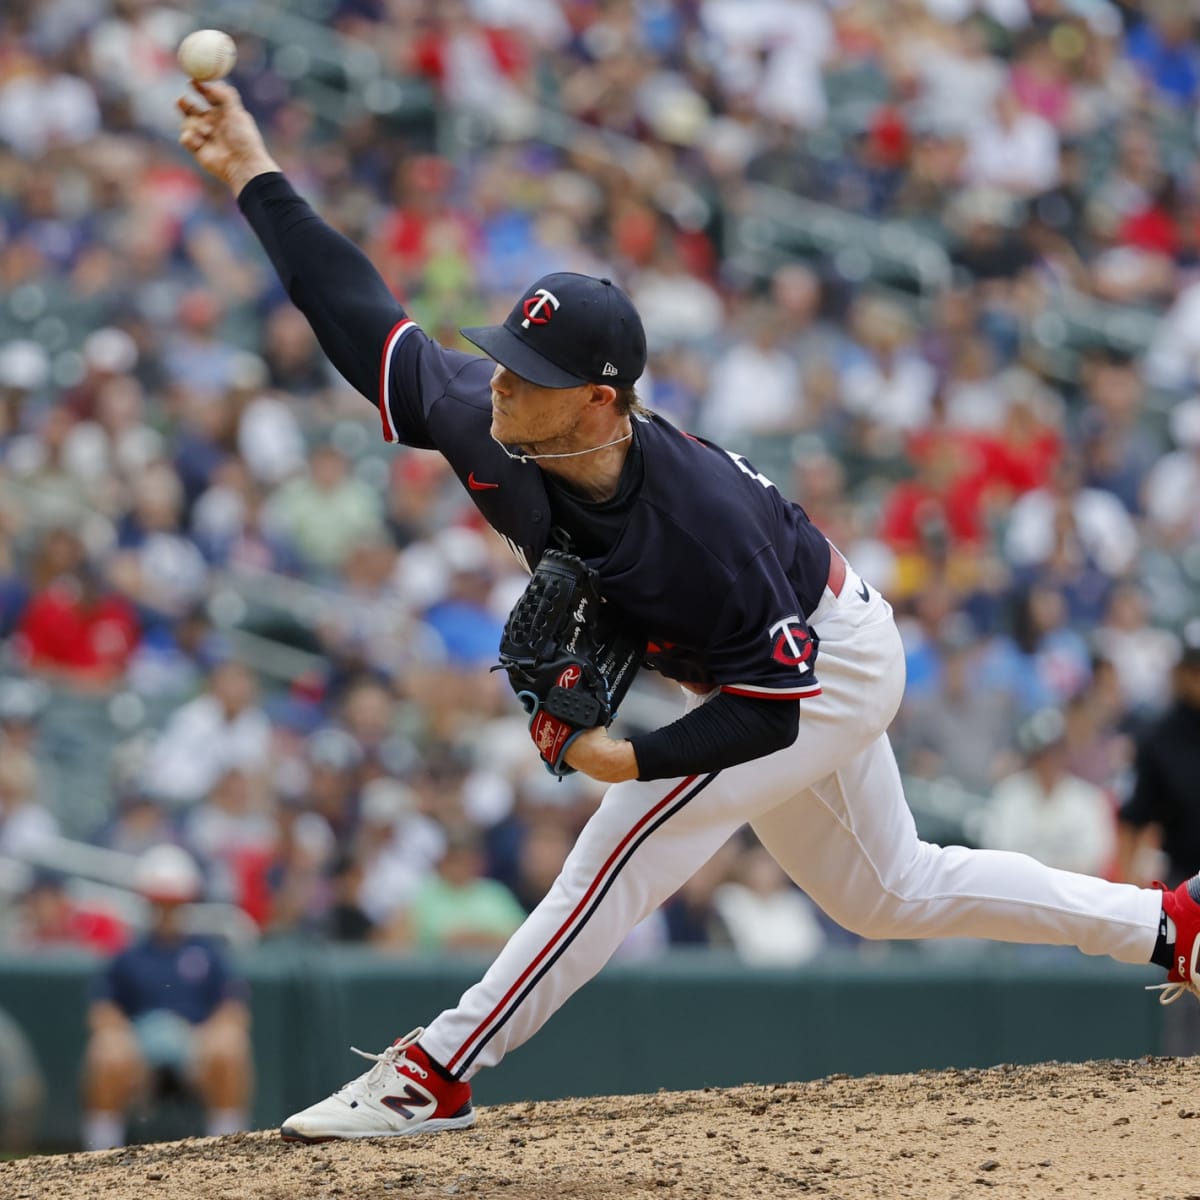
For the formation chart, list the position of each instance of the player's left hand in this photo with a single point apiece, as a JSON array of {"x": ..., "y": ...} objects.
[{"x": 604, "y": 758}]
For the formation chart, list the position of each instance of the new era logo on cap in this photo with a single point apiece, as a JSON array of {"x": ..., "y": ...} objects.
[{"x": 566, "y": 330}]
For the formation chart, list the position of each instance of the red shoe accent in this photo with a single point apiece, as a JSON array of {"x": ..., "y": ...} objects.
[
  {"x": 453, "y": 1096},
  {"x": 1185, "y": 912}
]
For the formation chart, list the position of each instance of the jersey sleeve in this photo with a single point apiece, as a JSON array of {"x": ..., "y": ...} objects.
[
  {"x": 415, "y": 372},
  {"x": 363, "y": 329},
  {"x": 762, "y": 646}
]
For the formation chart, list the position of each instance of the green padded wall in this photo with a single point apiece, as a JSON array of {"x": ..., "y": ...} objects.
[{"x": 684, "y": 1022}]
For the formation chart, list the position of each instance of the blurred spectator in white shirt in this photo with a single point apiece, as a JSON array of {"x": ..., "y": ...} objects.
[
  {"x": 270, "y": 439},
  {"x": 974, "y": 391},
  {"x": 25, "y": 823},
  {"x": 23, "y": 702},
  {"x": 221, "y": 729},
  {"x": 1014, "y": 150},
  {"x": 541, "y": 20},
  {"x": 233, "y": 833},
  {"x": 116, "y": 444},
  {"x": 1104, "y": 529},
  {"x": 44, "y": 108},
  {"x": 133, "y": 54},
  {"x": 368, "y": 624},
  {"x": 399, "y": 847},
  {"x": 1173, "y": 357},
  {"x": 755, "y": 386},
  {"x": 1011, "y": 14},
  {"x": 776, "y": 48},
  {"x": 24, "y": 371},
  {"x": 770, "y": 921},
  {"x": 1172, "y": 489},
  {"x": 1048, "y": 813},
  {"x": 676, "y": 306},
  {"x": 956, "y": 77},
  {"x": 1142, "y": 656},
  {"x": 792, "y": 88},
  {"x": 477, "y": 67},
  {"x": 229, "y": 523},
  {"x": 887, "y": 381},
  {"x": 158, "y": 565}
]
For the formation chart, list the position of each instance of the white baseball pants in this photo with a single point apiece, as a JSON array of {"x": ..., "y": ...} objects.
[{"x": 830, "y": 809}]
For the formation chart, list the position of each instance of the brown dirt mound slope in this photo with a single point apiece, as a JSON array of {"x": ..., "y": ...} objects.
[{"x": 1095, "y": 1130}]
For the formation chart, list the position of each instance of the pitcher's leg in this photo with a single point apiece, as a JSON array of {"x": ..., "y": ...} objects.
[
  {"x": 643, "y": 842},
  {"x": 850, "y": 842}
]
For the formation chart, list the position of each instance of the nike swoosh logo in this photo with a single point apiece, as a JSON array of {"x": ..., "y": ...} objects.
[
  {"x": 476, "y": 486},
  {"x": 864, "y": 594}
]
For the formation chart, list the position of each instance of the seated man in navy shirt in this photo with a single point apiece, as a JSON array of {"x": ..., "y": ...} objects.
[{"x": 168, "y": 1003}]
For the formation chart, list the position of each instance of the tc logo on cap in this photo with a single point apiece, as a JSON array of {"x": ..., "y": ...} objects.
[
  {"x": 539, "y": 308},
  {"x": 567, "y": 329}
]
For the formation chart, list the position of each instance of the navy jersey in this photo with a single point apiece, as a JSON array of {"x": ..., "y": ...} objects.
[
  {"x": 190, "y": 977},
  {"x": 713, "y": 563}
]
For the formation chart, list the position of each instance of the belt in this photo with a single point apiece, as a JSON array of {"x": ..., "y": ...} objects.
[{"x": 837, "y": 571}]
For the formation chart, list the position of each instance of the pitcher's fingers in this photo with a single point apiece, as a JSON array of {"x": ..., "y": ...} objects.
[
  {"x": 189, "y": 107},
  {"x": 219, "y": 95}
]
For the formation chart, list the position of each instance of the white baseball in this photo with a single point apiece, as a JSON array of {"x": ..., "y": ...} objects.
[{"x": 207, "y": 54}]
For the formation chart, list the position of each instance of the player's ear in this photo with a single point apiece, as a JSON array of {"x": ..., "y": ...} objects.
[{"x": 602, "y": 394}]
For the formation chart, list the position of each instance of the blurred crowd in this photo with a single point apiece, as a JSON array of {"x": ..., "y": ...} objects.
[{"x": 186, "y": 488}]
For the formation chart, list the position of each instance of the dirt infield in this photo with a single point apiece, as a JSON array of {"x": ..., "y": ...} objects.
[{"x": 1095, "y": 1130}]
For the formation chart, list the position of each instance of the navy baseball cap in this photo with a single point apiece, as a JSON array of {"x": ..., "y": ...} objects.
[{"x": 568, "y": 329}]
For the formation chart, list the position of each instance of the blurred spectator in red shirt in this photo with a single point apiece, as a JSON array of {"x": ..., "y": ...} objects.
[
  {"x": 50, "y": 917},
  {"x": 475, "y": 65},
  {"x": 233, "y": 833},
  {"x": 941, "y": 501},
  {"x": 74, "y": 629}
]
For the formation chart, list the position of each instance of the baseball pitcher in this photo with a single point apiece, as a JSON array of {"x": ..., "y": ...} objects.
[{"x": 650, "y": 547}]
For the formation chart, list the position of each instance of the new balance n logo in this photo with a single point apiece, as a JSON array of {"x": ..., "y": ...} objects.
[{"x": 413, "y": 1101}]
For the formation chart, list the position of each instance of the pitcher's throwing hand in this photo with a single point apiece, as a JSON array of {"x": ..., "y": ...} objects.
[{"x": 221, "y": 135}]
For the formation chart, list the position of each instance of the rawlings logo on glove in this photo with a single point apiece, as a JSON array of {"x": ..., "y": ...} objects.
[{"x": 569, "y": 661}]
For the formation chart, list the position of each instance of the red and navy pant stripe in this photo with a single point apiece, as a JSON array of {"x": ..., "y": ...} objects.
[{"x": 679, "y": 796}]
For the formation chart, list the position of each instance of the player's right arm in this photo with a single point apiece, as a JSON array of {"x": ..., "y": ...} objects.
[{"x": 361, "y": 326}]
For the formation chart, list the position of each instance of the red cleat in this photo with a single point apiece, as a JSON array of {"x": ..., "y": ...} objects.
[{"x": 1183, "y": 907}]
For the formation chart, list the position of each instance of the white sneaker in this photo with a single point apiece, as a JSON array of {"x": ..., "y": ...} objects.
[{"x": 402, "y": 1094}]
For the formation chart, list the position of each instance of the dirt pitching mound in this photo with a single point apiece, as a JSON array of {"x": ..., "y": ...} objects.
[{"x": 1095, "y": 1130}]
